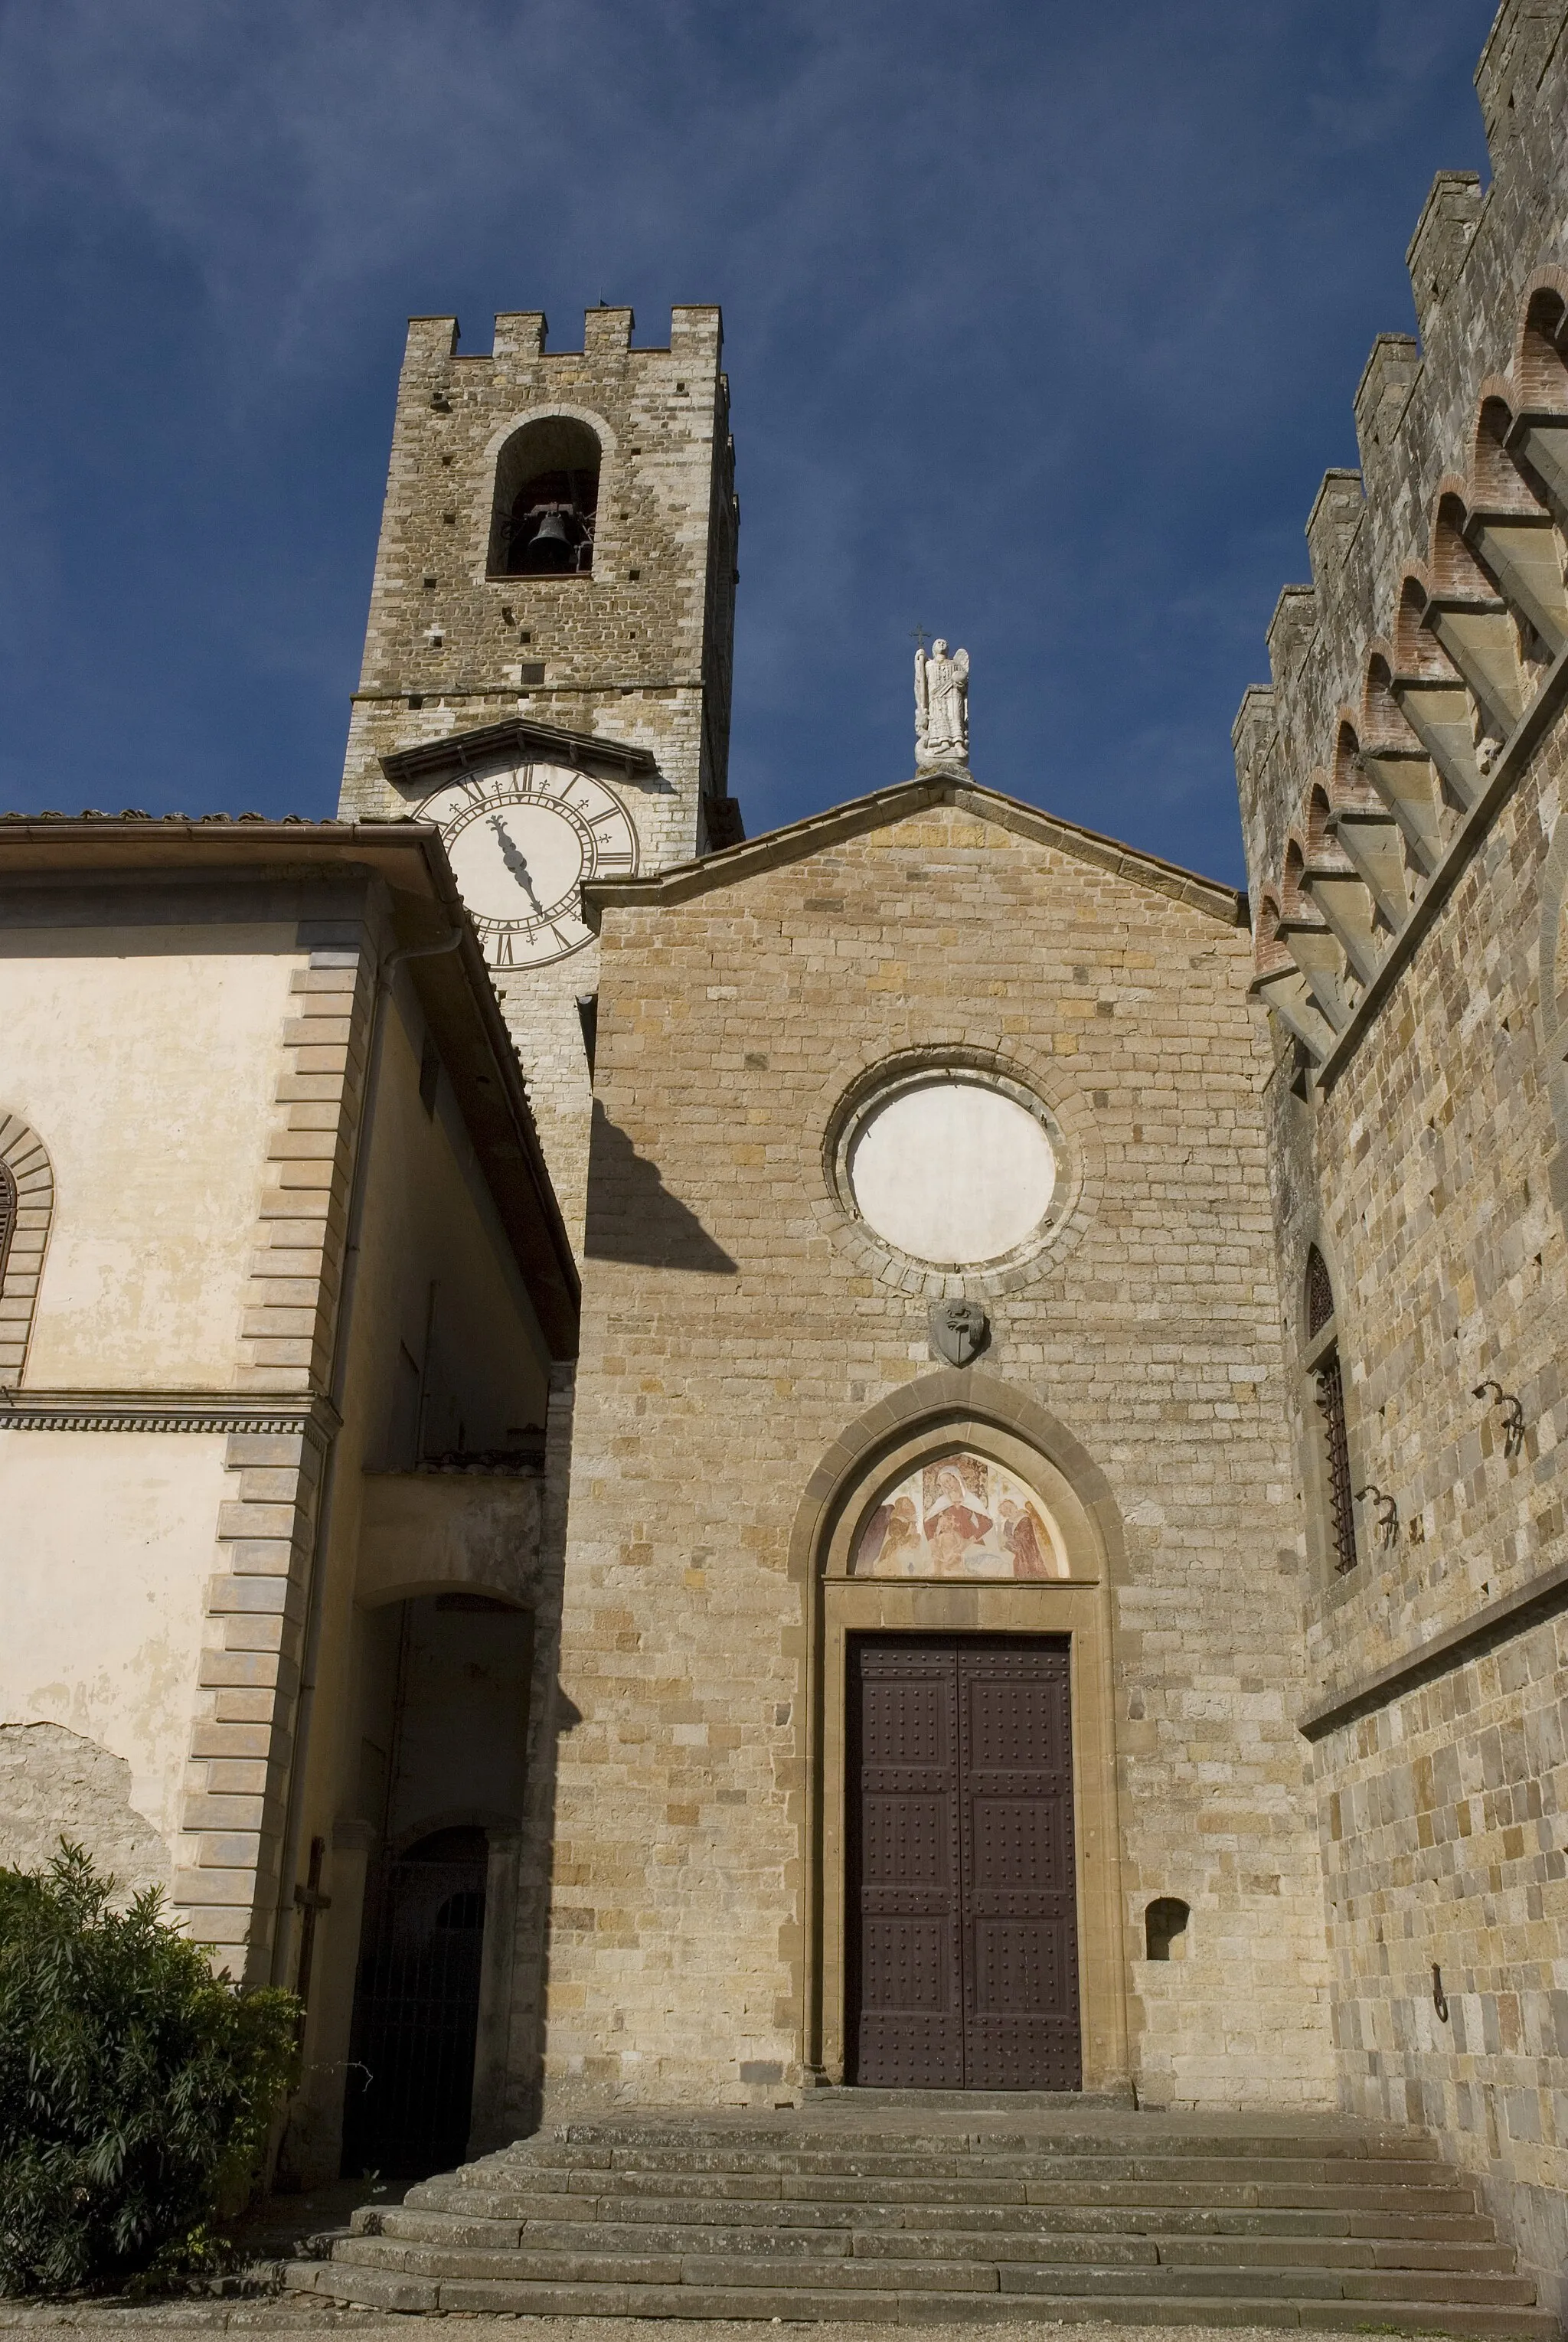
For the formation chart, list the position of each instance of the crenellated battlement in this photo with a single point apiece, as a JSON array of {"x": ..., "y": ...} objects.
[
  {"x": 554, "y": 585},
  {"x": 522, "y": 335},
  {"x": 1406, "y": 675},
  {"x": 630, "y": 637}
]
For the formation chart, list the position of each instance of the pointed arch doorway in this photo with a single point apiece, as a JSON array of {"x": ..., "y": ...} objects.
[{"x": 962, "y": 1751}]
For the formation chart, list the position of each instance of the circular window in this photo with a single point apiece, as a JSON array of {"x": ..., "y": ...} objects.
[{"x": 950, "y": 1168}]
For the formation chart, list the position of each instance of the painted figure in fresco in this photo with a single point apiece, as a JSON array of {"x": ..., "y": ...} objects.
[
  {"x": 890, "y": 1541},
  {"x": 1027, "y": 1539},
  {"x": 962, "y": 1517},
  {"x": 952, "y": 1526}
]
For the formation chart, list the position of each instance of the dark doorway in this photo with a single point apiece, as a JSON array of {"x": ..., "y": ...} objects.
[
  {"x": 410, "y": 2093},
  {"x": 963, "y": 1918}
]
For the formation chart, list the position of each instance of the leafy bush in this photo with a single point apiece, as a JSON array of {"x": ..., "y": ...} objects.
[{"x": 136, "y": 2087}]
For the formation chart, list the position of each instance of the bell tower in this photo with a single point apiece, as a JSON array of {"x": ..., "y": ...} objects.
[{"x": 547, "y": 659}]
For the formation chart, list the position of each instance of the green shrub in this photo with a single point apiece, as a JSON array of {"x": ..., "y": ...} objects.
[{"x": 136, "y": 2087}]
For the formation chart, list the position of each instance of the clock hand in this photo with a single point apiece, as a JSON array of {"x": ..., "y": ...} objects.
[{"x": 513, "y": 857}]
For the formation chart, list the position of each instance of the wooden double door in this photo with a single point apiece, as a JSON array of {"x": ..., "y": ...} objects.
[{"x": 962, "y": 1906}]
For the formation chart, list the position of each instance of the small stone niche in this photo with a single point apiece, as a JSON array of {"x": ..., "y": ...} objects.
[{"x": 1165, "y": 1927}]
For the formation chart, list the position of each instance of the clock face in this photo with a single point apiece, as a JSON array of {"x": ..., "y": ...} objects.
[{"x": 521, "y": 841}]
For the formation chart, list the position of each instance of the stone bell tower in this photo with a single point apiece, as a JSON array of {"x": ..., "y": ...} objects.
[{"x": 547, "y": 659}]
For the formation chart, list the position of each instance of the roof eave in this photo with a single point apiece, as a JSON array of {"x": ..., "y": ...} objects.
[
  {"x": 776, "y": 849},
  {"x": 455, "y": 990}
]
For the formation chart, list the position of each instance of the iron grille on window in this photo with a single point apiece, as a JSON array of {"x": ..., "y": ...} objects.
[
  {"x": 1319, "y": 1293},
  {"x": 1342, "y": 1514}
]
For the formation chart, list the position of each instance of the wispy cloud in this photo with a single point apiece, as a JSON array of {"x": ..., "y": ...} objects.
[{"x": 1043, "y": 324}]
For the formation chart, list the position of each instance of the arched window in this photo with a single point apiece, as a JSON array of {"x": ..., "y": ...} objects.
[
  {"x": 1337, "y": 1507},
  {"x": 26, "y": 1201},
  {"x": 7, "y": 1215},
  {"x": 546, "y": 501}
]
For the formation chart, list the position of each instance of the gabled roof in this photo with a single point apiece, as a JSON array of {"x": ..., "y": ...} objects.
[{"x": 777, "y": 847}]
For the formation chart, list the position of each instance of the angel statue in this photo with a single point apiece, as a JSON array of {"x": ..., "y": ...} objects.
[{"x": 941, "y": 706}]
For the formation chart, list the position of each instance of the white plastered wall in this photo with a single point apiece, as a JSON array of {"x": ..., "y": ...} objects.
[
  {"x": 107, "y": 1552},
  {"x": 146, "y": 1061}
]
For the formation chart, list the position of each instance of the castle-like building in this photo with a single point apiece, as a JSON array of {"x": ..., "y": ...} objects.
[{"x": 920, "y": 1453}]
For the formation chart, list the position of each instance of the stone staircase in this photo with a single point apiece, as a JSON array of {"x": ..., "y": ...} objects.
[{"x": 921, "y": 2212}]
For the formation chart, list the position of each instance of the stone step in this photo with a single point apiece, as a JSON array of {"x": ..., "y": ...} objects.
[
  {"x": 392, "y": 2290},
  {"x": 1283, "y": 2171},
  {"x": 1091, "y": 2272},
  {"x": 711, "y": 2154},
  {"x": 1137, "y": 2137},
  {"x": 1145, "y": 2222},
  {"x": 512, "y": 2214},
  {"x": 935, "y": 2244},
  {"x": 1456, "y": 2198}
]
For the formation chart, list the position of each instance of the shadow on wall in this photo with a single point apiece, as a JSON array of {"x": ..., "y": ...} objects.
[
  {"x": 634, "y": 1217},
  {"x": 537, "y": 1913}
]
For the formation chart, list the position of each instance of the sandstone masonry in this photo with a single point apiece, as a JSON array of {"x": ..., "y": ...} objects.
[
  {"x": 635, "y": 652},
  {"x": 1402, "y": 787},
  {"x": 736, "y": 1335}
]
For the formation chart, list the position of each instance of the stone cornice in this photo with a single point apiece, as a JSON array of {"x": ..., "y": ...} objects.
[
  {"x": 460, "y": 751},
  {"x": 196, "y": 1410},
  {"x": 774, "y": 848},
  {"x": 1512, "y": 1614}
]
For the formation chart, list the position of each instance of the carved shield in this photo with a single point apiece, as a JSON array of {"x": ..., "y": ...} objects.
[{"x": 958, "y": 1331}]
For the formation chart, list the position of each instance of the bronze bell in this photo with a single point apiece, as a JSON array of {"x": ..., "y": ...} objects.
[{"x": 551, "y": 529}]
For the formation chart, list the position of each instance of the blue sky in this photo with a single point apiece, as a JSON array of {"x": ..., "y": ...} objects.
[{"x": 1042, "y": 324}]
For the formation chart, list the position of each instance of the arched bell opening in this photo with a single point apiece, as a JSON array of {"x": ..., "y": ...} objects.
[{"x": 546, "y": 501}]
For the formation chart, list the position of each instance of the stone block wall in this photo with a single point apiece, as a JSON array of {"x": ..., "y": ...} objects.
[
  {"x": 734, "y": 1327},
  {"x": 639, "y": 651},
  {"x": 1442, "y": 1847},
  {"x": 1401, "y": 787}
]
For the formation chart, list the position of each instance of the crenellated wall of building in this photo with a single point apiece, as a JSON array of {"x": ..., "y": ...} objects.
[{"x": 1401, "y": 783}]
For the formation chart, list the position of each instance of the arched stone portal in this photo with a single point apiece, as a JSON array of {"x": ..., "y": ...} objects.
[{"x": 1037, "y": 1576}]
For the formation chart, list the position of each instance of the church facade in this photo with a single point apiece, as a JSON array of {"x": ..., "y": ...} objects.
[{"x": 916, "y": 1452}]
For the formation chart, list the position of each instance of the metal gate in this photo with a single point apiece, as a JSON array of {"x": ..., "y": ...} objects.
[
  {"x": 963, "y": 1934},
  {"x": 409, "y": 2099}
]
